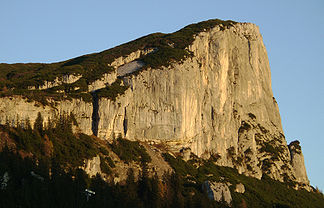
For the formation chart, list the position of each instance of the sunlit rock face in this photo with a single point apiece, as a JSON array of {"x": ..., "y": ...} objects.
[
  {"x": 16, "y": 110},
  {"x": 217, "y": 102},
  {"x": 297, "y": 162}
]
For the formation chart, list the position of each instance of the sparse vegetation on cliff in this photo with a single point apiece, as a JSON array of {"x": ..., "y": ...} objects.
[
  {"x": 258, "y": 193},
  {"x": 129, "y": 151},
  {"x": 295, "y": 145},
  {"x": 105, "y": 168},
  {"x": 112, "y": 91},
  {"x": 15, "y": 79}
]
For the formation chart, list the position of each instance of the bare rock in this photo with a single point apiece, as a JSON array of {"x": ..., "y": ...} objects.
[
  {"x": 240, "y": 188},
  {"x": 218, "y": 101},
  {"x": 4, "y": 181},
  {"x": 297, "y": 162},
  {"x": 92, "y": 167},
  {"x": 185, "y": 153},
  {"x": 217, "y": 191},
  {"x": 65, "y": 79},
  {"x": 16, "y": 109}
]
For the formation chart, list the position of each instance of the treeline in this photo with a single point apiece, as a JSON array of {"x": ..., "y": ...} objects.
[
  {"x": 35, "y": 185},
  {"x": 39, "y": 167},
  {"x": 55, "y": 141},
  {"x": 42, "y": 170}
]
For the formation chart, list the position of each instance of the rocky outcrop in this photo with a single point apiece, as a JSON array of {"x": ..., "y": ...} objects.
[
  {"x": 17, "y": 110},
  {"x": 130, "y": 57},
  {"x": 66, "y": 79},
  {"x": 129, "y": 68},
  {"x": 122, "y": 66},
  {"x": 92, "y": 166},
  {"x": 297, "y": 162},
  {"x": 239, "y": 188},
  {"x": 217, "y": 101},
  {"x": 218, "y": 192},
  {"x": 106, "y": 79}
]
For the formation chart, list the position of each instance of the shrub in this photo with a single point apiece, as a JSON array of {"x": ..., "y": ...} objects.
[
  {"x": 112, "y": 91},
  {"x": 129, "y": 151},
  {"x": 248, "y": 151},
  {"x": 296, "y": 146},
  {"x": 244, "y": 127},
  {"x": 231, "y": 152},
  {"x": 252, "y": 116},
  {"x": 180, "y": 166},
  {"x": 104, "y": 167}
]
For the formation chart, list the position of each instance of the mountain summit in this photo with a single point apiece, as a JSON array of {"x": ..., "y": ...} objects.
[
  {"x": 203, "y": 91},
  {"x": 206, "y": 88}
]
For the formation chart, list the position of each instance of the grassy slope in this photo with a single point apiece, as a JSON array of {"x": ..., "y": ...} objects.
[{"x": 15, "y": 78}]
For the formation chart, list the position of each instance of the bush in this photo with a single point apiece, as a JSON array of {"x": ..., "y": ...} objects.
[
  {"x": 104, "y": 167},
  {"x": 244, "y": 127},
  {"x": 296, "y": 146},
  {"x": 231, "y": 152},
  {"x": 112, "y": 91},
  {"x": 180, "y": 166},
  {"x": 129, "y": 151}
]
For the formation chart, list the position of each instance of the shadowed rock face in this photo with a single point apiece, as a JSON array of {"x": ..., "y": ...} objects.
[
  {"x": 129, "y": 68},
  {"x": 218, "y": 101}
]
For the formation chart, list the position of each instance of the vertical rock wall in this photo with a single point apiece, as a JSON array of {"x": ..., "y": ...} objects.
[
  {"x": 297, "y": 162},
  {"x": 217, "y": 102},
  {"x": 14, "y": 110}
]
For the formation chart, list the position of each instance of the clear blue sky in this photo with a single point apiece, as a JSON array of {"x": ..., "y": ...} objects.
[{"x": 293, "y": 32}]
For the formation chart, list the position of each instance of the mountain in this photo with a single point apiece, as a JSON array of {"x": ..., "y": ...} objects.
[{"x": 202, "y": 93}]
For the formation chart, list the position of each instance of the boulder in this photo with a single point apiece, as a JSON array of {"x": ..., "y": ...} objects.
[
  {"x": 92, "y": 167},
  {"x": 240, "y": 188},
  {"x": 217, "y": 191}
]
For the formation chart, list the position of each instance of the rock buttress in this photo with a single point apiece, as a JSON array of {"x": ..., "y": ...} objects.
[{"x": 219, "y": 101}]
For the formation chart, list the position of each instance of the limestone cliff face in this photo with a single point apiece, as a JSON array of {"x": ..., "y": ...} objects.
[
  {"x": 16, "y": 109},
  {"x": 297, "y": 162},
  {"x": 66, "y": 79},
  {"x": 217, "y": 102},
  {"x": 92, "y": 166}
]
